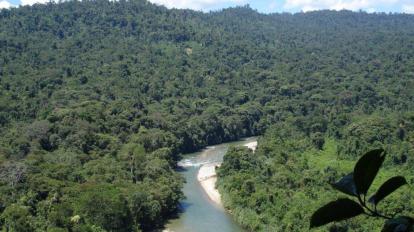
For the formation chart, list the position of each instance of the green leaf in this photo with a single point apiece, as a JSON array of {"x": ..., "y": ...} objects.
[
  {"x": 334, "y": 211},
  {"x": 346, "y": 185},
  {"x": 387, "y": 188},
  {"x": 366, "y": 169},
  {"x": 400, "y": 224}
]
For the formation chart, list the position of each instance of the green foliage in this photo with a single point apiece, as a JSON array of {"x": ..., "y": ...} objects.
[
  {"x": 104, "y": 206},
  {"x": 16, "y": 218},
  {"x": 108, "y": 94}
]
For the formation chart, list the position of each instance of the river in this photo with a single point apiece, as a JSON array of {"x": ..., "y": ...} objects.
[{"x": 199, "y": 213}]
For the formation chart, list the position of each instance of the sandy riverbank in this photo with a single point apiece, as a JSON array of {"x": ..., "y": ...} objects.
[
  {"x": 207, "y": 177},
  {"x": 251, "y": 145}
]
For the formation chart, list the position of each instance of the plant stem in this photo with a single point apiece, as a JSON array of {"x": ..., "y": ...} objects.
[{"x": 373, "y": 213}]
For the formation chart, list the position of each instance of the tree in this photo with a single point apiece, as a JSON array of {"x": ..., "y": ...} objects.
[
  {"x": 135, "y": 159},
  {"x": 112, "y": 214},
  {"x": 17, "y": 218},
  {"x": 12, "y": 173}
]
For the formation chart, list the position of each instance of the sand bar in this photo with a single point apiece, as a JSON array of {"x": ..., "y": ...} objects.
[{"x": 207, "y": 177}]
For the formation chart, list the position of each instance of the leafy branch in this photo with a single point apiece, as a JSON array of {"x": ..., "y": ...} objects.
[{"x": 357, "y": 184}]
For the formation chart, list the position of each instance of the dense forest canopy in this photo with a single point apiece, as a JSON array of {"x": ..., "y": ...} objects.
[{"x": 98, "y": 99}]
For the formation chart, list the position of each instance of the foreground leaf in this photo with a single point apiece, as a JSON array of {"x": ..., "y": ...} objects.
[
  {"x": 366, "y": 169},
  {"x": 400, "y": 224},
  {"x": 346, "y": 185},
  {"x": 387, "y": 188},
  {"x": 334, "y": 211}
]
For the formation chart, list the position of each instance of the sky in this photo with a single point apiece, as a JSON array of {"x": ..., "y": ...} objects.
[{"x": 270, "y": 6}]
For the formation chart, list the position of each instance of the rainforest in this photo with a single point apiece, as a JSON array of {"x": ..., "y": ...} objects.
[{"x": 99, "y": 100}]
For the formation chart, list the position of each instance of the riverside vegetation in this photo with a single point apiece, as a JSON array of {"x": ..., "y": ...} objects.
[{"x": 98, "y": 99}]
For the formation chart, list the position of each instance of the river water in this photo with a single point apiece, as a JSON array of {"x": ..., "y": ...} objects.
[{"x": 199, "y": 213}]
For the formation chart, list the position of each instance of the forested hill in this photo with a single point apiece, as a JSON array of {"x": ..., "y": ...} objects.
[{"x": 99, "y": 98}]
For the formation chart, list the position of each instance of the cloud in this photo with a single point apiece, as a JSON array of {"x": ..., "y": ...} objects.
[
  {"x": 408, "y": 9},
  {"x": 5, "y": 4},
  {"x": 32, "y": 2},
  {"x": 273, "y": 5},
  {"x": 204, "y": 5},
  {"x": 308, "y": 5}
]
